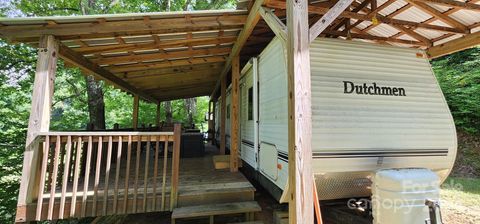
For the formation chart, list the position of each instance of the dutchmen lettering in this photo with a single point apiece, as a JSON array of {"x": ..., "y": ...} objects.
[{"x": 373, "y": 89}]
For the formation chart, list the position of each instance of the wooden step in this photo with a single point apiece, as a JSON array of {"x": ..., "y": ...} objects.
[
  {"x": 223, "y": 162},
  {"x": 216, "y": 209},
  {"x": 251, "y": 222},
  {"x": 216, "y": 194}
]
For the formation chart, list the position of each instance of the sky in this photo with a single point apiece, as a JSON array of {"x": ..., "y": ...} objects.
[{"x": 7, "y": 9}]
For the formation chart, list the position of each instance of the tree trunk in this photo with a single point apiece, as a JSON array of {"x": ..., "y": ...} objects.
[
  {"x": 96, "y": 105},
  {"x": 190, "y": 107},
  {"x": 168, "y": 112}
]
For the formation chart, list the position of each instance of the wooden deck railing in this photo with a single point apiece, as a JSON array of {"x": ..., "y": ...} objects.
[{"x": 83, "y": 174}]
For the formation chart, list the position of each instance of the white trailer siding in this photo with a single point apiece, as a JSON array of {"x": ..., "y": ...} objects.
[
  {"x": 247, "y": 125},
  {"x": 358, "y": 133},
  {"x": 355, "y": 134},
  {"x": 273, "y": 113}
]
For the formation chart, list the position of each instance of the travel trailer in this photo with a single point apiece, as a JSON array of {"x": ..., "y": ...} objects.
[{"x": 374, "y": 107}]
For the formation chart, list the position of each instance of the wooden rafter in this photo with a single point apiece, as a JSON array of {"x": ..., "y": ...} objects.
[
  {"x": 402, "y": 29},
  {"x": 414, "y": 34},
  {"x": 391, "y": 15},
  {"x": 433, "y": 19},
  {"x": 455, "y": 4},
  {"x": 175, "y": 80},
  {"x": 165, "y": 64},
  {"x": 372, "y": 37},
  {"x": 172, "y": 70},
  {"x": 154, "y": 45},
  {"x": 437, "y": 14},
  {"x": 459, "y": 44},
  {"x": 382, "y": 19},
  {"x": 79, "y": 60},
  {"x": 343, "y": 21},
  {"x": 328, "y": 17},
  {"x": 277, "y": 26},
  {"x": 164, "y": 55}
]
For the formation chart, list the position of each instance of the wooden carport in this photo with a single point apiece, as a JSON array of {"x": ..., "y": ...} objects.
[{"x": 166, "y": 56}]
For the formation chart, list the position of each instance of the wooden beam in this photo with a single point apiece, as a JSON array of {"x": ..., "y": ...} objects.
[
  {"x": 414, "y": 34},
  {"x": 39, "y": 121},
  {"x": 275, "y": 24},
  {"x": 382, "y": 19},
  {"x": 328, "y": 18},
  {"x": 437, "y": 14},
  {"x": 163, "y": 55},
  {"x": 165, "y": 64},
  {"x": 137, "y": 27},
  {"x": 300, "y": 179},
  {"x": 113, "y": 48},
  {"x": 462, "y": 43},
  {"x": 135, "y": 112},
  {"x": 185, "y": 95},
  {"x": 235, "y": 115},
  {"x": 174, "y": 79},
  {"x": 80, "y": 61},
  {"x": 172, "y": 70},
  {"x": 251, "y": 22},
  {"x": 371, "y": 37},
  {"x": 455, "y": 4},
  {"x": 356, "y": 9},
  {"x": 373, "y": 13},
  {"x": 223, "y": 115}
]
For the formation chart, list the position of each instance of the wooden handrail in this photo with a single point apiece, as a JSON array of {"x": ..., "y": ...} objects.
[{"x": 80, "y": 174}]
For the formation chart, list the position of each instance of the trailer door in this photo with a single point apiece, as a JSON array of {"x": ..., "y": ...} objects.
[{"x": 248, "y": 118}]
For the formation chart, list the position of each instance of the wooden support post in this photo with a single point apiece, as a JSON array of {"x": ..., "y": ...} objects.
[
  {"x": 157, "y": 121},
  {"x": 177, "y": 131},
  {"x": 213, "y": 122},
  {"x": 135, "y": 112},
  {"x": 300, "y": 179},
  {"x": 223, "y": 116},
  {"x": 209, "y": 120},
  {"x": 235, "y": 121},
  {"x": 39, "y": 121}
]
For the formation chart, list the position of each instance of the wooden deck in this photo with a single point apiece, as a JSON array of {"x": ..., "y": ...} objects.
[{"x": 199, "y": 183}]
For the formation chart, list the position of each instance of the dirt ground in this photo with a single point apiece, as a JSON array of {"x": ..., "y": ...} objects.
[{"x": 454, "y": 213}]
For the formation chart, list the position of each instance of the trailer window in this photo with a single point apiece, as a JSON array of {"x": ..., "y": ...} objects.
[
  {"x": 228, "y": 111},
  {"x": 250, "y": 103}
]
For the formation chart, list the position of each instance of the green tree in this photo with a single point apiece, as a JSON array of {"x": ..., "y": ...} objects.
[{"x": 459, "y": 78}]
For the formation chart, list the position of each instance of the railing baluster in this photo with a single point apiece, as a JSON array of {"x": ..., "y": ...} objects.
[
  {"x": 175, "y": 166},
  {"x": 41, "y": 188},
  {"x": 107, "y": 174},
  {"x": 155, "y": 173},
  {"x": 63, "y": 163},
  {"x": 164, "y": 176},
  {"x": 137, "y": 171},
  {"x": 65, "y": 176},
  {"x": 117, "y": 173},
  {"x": 127, "y": 173},
  {"x": 87, "y": 176},
  {"x": 75, "y": 176},
  {"x": 97, "y": 174},
  {"x": 145, "y": 179},
  {"x": 53, "y": 186}
]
